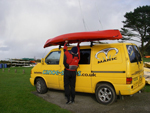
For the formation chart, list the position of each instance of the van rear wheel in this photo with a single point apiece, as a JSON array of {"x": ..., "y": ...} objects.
[
  {"x": 105, "y": 94},
  {"x": 41, "y": 86}
]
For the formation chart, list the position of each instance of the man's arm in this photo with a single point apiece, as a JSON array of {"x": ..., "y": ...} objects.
[
  {"x": 66, "y": 52},
  {"x": 65, "y": 47}
]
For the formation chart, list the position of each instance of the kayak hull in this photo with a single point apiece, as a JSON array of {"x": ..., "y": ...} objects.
[{"x": 84, "y": 37}]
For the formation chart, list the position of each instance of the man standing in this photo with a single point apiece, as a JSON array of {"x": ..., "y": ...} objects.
[{"x": 71, "y": 65}]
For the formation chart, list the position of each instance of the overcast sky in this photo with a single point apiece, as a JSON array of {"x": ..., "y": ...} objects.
[{"x": 25, "y": 25}]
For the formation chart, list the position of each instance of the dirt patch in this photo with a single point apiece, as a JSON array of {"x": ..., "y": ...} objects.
[{"x": 86, "y": 103}]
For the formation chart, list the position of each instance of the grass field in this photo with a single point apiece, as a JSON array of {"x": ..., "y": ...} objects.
[
  {"x": 16, "y": 94},
  {"x": 146, "y": 59}
]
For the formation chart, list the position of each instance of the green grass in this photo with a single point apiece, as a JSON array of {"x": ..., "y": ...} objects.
[
  {"x": 146, "y": 59},
  {"x": 16, "y": 94},
  {"x": 147, "y": 87}
]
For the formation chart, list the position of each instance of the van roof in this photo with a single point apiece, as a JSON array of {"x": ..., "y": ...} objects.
[
  {"x": 97, "y": 44},
  {"x": 116, "y": 44}
]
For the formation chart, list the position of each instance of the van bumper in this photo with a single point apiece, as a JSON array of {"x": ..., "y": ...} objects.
[
  {"x": 128, "y": 90},
  {"x": 32, "y": 81}
]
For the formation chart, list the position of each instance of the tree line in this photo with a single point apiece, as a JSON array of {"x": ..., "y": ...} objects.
[{"x": 136, "y": 27}]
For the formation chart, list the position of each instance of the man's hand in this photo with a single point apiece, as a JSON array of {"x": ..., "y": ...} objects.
[{"x": 78, "y": 44}]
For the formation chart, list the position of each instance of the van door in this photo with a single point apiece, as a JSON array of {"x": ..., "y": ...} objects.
[
  {"x": 51, "y": 69},
  {"x": 135, "y": 66},
  {"x": 83, "y": 77}
]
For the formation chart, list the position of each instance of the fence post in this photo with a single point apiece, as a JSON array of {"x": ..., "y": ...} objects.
[
  {"x": 23, "y": 71},
  {"x": 15, "y": 70}
]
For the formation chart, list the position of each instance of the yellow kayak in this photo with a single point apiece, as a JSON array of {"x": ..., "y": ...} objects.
[
  {"x": 147, "y": 64},
  {"x": 147, "y": 75}
]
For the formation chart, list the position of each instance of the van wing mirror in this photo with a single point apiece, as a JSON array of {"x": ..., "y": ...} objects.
[{"x": 42, "y": 61}]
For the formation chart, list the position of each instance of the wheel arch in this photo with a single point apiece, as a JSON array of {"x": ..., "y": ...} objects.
[
  {"x": 37, "y": 78},
  {"x": 105, "y": 82}
]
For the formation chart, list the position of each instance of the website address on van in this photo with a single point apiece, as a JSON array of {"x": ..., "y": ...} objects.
[{"x": 56, "y": 72}]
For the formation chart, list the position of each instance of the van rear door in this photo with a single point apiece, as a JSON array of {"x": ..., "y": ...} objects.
[{"x": 135, "y": 66}]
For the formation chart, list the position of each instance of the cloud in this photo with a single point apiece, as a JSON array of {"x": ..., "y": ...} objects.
[
  {"x": 25, "y": 25},
  {"x": 4, "y": 48}
]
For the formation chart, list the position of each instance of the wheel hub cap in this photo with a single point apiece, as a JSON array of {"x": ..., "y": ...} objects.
[{"x": 105, "y": 95}]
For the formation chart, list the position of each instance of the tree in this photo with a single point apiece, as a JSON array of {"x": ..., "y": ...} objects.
[
  {"x": 147, "y": 51},
  {"x": 137, "y": 27}
]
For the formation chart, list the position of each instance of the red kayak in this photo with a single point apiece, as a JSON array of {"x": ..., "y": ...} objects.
[{"x": 84, "y": 37}]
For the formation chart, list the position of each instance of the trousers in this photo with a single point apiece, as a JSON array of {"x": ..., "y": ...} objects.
[{"x": 69, "y": 84}]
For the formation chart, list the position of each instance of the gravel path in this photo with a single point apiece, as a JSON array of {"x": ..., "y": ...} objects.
[{"x": 86, "y": 103}]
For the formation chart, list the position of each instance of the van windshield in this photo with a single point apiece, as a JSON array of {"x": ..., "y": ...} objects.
[{"x": 134, "y": 53}]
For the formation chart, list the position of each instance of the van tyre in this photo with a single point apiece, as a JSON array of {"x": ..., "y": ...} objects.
[
  {"x": 105, "y": 94},
  {"x": 41, "y": 86}
]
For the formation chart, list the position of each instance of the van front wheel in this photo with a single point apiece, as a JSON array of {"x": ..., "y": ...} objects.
[
  {"x": 105, "y": 94},
  {"x": 41, "y": 86}
]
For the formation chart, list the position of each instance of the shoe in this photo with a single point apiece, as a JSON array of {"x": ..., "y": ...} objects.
[
  {"x": 72, "y": 101},
  {"x": 68, "y": 102}
]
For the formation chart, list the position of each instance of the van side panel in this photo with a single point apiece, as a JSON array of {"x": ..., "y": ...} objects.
[{"x": 109, "y": 64}]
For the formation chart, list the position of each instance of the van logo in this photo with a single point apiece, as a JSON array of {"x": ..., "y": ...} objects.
[{"x": 108, "y": 58}]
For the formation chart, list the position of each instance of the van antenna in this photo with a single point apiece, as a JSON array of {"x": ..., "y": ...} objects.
[
  {"x": 85, "y": 27},
  {"x": 98, "y": 12}
]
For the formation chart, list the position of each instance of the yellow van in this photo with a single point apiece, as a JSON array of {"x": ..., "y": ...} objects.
[{"x": 107, "y": 70}]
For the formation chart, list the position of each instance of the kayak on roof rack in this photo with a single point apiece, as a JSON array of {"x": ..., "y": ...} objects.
[{"x": 84, "y": 37}]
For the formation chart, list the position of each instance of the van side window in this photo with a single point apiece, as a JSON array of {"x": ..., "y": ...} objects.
[
  {"x": 53, "y": 57},
  {"x": 133, "y": 53},
  {"x": 138, "y": 53},
  {"x": 85, "y": 56}
]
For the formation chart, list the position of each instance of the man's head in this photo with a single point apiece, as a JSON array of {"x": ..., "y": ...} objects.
[{"x": 74, "y": 50}]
